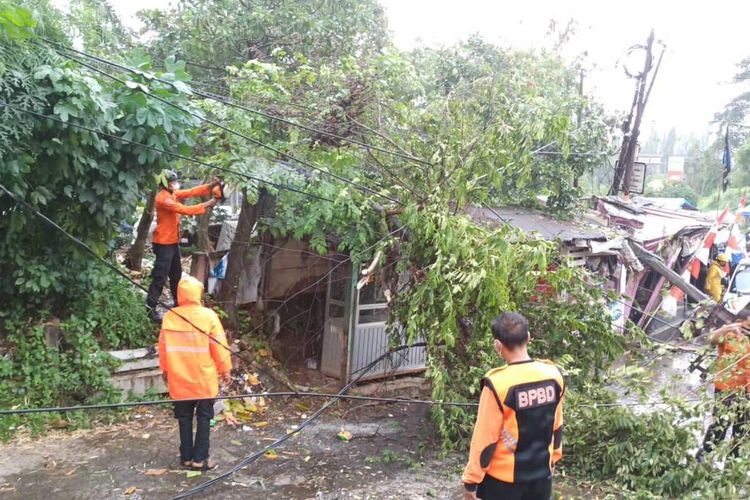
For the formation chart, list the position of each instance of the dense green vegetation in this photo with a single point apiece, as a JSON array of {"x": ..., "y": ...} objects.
[{"x": 470, "y": 125}]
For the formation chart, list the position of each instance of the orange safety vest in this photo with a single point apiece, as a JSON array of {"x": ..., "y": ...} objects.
[
  {"x": 732, "y": 363},
  {"x": 518, "y": 433},
  {"x": 169, "y": 209},
  {"x": 192, "y": 360}
]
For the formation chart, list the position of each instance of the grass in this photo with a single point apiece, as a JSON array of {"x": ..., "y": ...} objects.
[{"x": 730, "y": 198}]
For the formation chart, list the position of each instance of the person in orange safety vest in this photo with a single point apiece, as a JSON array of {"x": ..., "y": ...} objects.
[
  {"x": 518, "y": 433},
  {"x": 166, "y": 237},
  {"x": 731, "y": 382},
  {"x": 193, "y": 354}
]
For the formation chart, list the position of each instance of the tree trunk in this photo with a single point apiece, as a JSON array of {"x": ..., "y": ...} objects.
[
  {"x": 204, "y": 242},
  {"x": 238, "y": 254},
  {"x": 134, "y": 257}
]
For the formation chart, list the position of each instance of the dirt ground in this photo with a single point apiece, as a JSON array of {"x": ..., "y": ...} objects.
[{"x": 390, "y": 456}]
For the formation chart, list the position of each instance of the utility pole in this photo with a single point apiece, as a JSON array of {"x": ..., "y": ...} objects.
[{"x": 624, "y": 168}]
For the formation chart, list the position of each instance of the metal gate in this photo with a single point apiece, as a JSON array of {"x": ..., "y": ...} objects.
[
  {"x": 370, "y": 339},
  {"x": 355, "y": 326}
]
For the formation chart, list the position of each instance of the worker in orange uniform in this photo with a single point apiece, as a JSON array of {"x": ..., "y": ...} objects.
[
  {"x": 166, "y": 241},
  {"x": 518, "y": 433},
  {"x": 731, "y": 382},
  {"x": 714, "y": 276},
  {"x": 193, "y": 355}
]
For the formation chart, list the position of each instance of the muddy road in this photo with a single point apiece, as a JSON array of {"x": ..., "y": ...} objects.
[{"x": 392, "y": 455}]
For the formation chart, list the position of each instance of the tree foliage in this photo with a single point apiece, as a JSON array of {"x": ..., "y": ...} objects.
[
  {"x": 462, "y": 276},
  {"x": 84, "y": 181},
  {"x": 87, "y": 183},
  {"x": 213, "y": 34},
  {"x": 491, "y": 126}
]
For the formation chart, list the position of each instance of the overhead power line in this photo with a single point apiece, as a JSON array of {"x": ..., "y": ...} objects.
[
  {"x": 164, "y": 151},
  {"x": 108, "y": 264},
  {"x": 252, "y": 140},
  {"x": 230, "y": 102},
  {"x": 255, "y": 456}
]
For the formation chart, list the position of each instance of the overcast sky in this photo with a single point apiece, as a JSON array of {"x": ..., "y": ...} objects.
[{"x": 705, "y": 40}]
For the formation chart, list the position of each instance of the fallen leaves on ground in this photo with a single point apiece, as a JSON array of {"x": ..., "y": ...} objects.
[
  {"x": 231, "y": 419},
  {"x": 271, "y": 454},
  {"x": 156, "y": 472},
  {"x": 300, "y": 406},
  {"x": 130, "y": 491}
]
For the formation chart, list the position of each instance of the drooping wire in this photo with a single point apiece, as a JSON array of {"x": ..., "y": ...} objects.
[
  {"x": 216, "y": 124},
  {"x": 230, "y": 102},
  {"x": 122, "y": 274},
  {"x": 169, "y": 153},
  {"x": 233, "y": 104},
  {"x": 108, "y": 264},
  {"x": 255, "y": 456}
]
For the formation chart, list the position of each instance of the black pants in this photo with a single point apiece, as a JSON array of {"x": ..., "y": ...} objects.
[
  {"x": 731, "y": 410},
  {"x": 167, "y": 265},
  {"x": 492, "y": 489},
  {"x": 197, "y": 450}
]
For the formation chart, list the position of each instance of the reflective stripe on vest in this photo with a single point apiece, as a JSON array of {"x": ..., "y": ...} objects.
[{"x": 180, "y": 348}]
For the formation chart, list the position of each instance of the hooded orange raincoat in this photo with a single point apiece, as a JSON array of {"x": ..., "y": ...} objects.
[
  {"x": 169, "y": 209},
  {"x": 192, "y": 359}
]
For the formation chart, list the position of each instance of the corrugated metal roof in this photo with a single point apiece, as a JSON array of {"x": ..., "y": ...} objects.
[
  {"x": 666, "y": 203},
  {"x": 533, "y": 221},
  {"x": 649, "y": 224}
]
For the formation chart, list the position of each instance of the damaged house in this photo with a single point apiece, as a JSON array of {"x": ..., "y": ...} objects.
[
  {"x": 333, "y": 320},
  {"x": 332, "y": 316},
  {"x": 604, "y": 240}
]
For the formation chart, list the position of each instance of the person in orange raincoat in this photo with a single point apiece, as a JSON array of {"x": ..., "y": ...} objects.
[
  {"x": 193, "y": 355},
  {"x": 517, "y": 437},
  {"x": 166, "y": 239},
  {"x": 731, "y": 382}
]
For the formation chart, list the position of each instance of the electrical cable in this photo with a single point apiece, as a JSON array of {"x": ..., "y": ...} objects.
[
  {"x": 108, "y": 264},
  {"x": 255, "y": 456},
  {"x": 119, "y": 272},
  {"x": 293, "y": 394},
  {"x": 299, "y": 394},
  {"x": 163, "y": 151},
  {"x": 252, "y": 140},
  {"x": 230, "y": 102}
]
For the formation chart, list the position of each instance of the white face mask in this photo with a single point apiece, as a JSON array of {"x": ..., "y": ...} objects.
[{"x": 175, "y": 186}]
